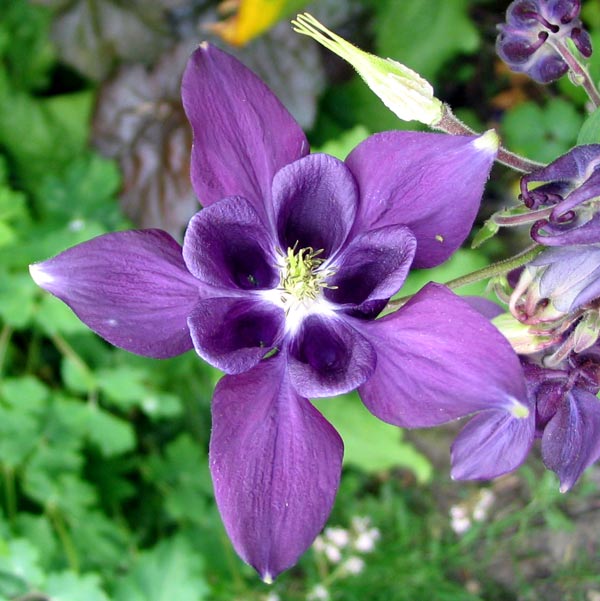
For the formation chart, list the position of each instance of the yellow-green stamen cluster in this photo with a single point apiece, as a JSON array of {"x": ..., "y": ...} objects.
[{"x": 302, "y": 276}]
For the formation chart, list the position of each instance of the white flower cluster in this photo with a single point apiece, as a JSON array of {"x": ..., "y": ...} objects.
[
  {"x": 464, "y": 514},
  {"x": 337, "y": 544}
]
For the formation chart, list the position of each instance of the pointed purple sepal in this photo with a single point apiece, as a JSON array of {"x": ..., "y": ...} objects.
[
  {"x": 243, "y": 134},
  {"x": 437, "y": 360},
  {"x": 275, "y": 463},
  {"x": 132, "y": 288},
  {"x": 571, "y": 439},
  {"x": 493, "y": 443},
  {"x": 431, "y": 183}
]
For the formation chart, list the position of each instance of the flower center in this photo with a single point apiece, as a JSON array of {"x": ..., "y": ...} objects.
[{"x": 302, "y": 274}]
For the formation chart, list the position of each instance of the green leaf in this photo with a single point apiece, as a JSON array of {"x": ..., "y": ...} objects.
[
  {"x": 590, "y": 130},
  {"x": 342, "y": 145},
  {"x": 19, "y": 560},
  {"x": 112, "y": 435},
  {"x": 26, "y": 394},
  {"x": 124, "y": 387},
  {"x": 86, "y": 190},
  {"x": 424, "y": 34},
  {"x": 161, "y": 405},
  {"x": 24, "y": 44},
  {"x": 183, "y": 478},
  {"x": 171, "y": 570},
  {"x": 77, "y": 377},
  {"x": 53, "y": 316},
  {"x": 30, "y": 129},
  {"x": 67, "y": 586},
  {"x": 487, "y": 231},
  {"x": 542, "y": 134},
  {"x": 369, "y": 443},
  {"x": 51, "y": 479},
  {"x": 17, "y": 298}
]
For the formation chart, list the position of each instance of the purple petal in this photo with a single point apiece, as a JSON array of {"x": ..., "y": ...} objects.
[
  {"x": 493, "y": 443},
  {"x": 315, "y": 201},
  {"x": 132, "y": 288},
  {"x": 582, "y": 41},
  {"x": 489, "y": 309},
  {"x": 276, "y": 465},
  {"x": 575, "y": 166},
  {"x": 242, "y": 134},
  {"x": 438, "y": 359},
  {"x": 371, "y": 269},
  {"x": 578, "y": 231},
  {"x": 329, "y": 357},
  {"x": 571, "y": 440},
  {"x": 572, "y": 275},
  {"x": 234, "y": 334},
  {"x": 431, "y": 183},
  {"x": 227, "y": 245}
]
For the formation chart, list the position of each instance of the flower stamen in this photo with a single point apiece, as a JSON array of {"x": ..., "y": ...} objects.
[{"x": 302, "y": 275}]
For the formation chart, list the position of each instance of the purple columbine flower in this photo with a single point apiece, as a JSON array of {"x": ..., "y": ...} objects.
[
  {"x": 278, "y": 284},
  {"x": 569, "y": 191},
  {"x": 528, "y": 41},
  {"x": 565, "y": 415},
  {"x": 562, "y": 409}
]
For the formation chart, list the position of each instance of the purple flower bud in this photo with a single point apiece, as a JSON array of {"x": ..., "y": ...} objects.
[
  {"x": 567, "y": 414},
  {"x": 571, "y": 185},
  {"x": 527, "y": 41}
]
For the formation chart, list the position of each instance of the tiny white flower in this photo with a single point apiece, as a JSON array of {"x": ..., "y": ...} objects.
[
  {"x": 333, "y": 553},
  {"x": 353, "y": 565},
  {"x": 338, "y": 536},
  {"x": 319, "y": 544},
  {"x": 318, "y": 593}
]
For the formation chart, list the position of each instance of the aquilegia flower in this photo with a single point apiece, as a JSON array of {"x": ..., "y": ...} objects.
[
  {"x": 278, "y": 284},
  {"x": 528, "y": 41},
  {"x": 565, "y": 415},
  {"x": 569, "y": 190}
]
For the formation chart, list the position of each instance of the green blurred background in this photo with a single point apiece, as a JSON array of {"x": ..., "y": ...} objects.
[{"x": 104, "y": 486}]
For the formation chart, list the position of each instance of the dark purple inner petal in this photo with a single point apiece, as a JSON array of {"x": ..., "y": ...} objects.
[
  {"x": 227, "y": 245},
  {"x": 315, "y": 201},
  {"x": 372, "y": 268},
  {"x": 329, "y": 357},
  {"x": 245, "y": 261},
  {"x": 323, "y": 350},
  {"x": 235, "y": 334}
]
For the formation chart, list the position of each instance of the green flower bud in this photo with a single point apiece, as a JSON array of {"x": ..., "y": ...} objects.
[{"x": 402, "y": 90}]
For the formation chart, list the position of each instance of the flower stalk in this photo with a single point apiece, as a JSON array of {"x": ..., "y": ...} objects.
[
  {"x": 495, "y": 269},
  {"x": 451, "y": 124},
  {"x": 579, "y": 74}
]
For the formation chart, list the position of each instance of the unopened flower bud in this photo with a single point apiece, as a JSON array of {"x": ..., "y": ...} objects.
[
  {"x": 527, "y": 41},
  {"x": 402, "y": 90},
  {"x": 524, "y": 339}
]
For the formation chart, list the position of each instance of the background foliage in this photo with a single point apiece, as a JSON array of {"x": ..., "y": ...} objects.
[{"x": 104, "y": 484}]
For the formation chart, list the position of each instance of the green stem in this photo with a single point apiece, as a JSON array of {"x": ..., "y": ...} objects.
[
  {"x": 454, "y": 126},
  {"x": 498, "y": 268},
  {"x": 5, "y": 336},
  {"x": 581, "y": 75},
  {"x": 70, "y": 353},
  {"x": 65, "y": 539},
  {"x": 10, "y": 494},
  {"x": 495, "y": 269}
]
